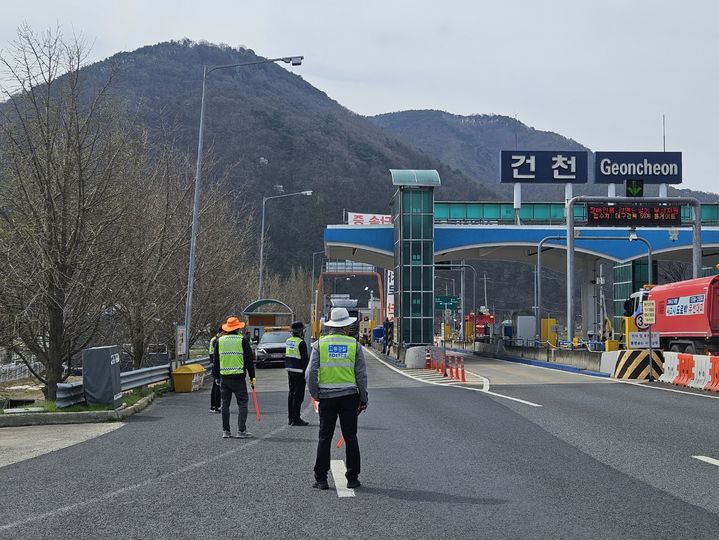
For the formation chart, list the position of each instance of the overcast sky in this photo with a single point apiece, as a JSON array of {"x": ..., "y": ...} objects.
[{"x": 600, "y": 72}]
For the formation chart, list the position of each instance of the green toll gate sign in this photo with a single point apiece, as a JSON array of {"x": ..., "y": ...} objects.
[{"x": 446, "y": 302}]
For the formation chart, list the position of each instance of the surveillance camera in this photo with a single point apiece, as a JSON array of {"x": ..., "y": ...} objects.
[{"x": 296, "y": 60}]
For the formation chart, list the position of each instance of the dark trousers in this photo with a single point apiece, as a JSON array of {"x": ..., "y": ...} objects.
[
  {"x": 346, "y": 407},
  {"x": 296, "y": 395},
  {"x": 215, "y": 396},
  {"x": 237, "y": 387}
]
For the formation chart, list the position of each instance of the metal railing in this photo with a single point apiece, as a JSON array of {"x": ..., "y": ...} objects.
[{"x": 73, "y": 393}]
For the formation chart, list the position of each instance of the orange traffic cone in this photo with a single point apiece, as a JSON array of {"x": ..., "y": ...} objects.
[
  {"x": 428, "y": 360},
  {"x": 462, "y": 365}
]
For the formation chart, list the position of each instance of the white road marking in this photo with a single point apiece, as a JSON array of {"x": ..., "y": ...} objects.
[
  {"x": 644, "y": 385},
  {"x": 706, "y": 459},
  {"x": 337, "y": 466},
  {"x": 452, "y": 385}
]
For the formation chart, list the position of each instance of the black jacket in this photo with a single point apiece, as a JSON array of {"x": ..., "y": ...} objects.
[{"x": 249, "y": 357}]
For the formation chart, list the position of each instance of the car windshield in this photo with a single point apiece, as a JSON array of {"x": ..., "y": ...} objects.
[{"x": 274, "y": 337}]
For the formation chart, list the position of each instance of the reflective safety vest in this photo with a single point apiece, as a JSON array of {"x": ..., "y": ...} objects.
[
  {"x": 337, "y": 362},
  {"x": 213, "y": 339},
  {"x": 232, "y": 358},
  {"x": 293, "y": 358}
]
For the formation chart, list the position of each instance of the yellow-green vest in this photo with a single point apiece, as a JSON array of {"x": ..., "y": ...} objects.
[
  {"x": 293, "y": 358},
  {"x": 337, "y": 362},
  {"x": 232, "y": 358}
]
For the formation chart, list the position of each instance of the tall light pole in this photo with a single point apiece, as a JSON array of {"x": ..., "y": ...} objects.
[
  {"x": 261, "y": 285},
  {"x": 445, "y": 285},
  {"x": 293, "y": 60},
  {"x": 312, "y": 286}
]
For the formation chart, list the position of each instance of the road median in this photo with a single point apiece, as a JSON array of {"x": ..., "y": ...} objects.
[{"x": 53, "y": 418}]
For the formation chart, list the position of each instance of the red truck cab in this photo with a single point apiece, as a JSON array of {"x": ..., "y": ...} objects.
[{"x": 687, "y": 315}]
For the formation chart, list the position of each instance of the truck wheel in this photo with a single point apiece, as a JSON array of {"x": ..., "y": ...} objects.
[{"x": 690, "y": 349}]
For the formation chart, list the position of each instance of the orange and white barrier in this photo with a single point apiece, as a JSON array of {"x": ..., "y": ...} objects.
[
  {"x": 671, "y": 367},
  {"x": 713, "y": 374},
  {"x": 691, "y": 370}
]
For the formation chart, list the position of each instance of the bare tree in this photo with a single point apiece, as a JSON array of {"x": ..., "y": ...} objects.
[
  {"x": 292, "y": 290},
  {"x": 62, "y": 148}
]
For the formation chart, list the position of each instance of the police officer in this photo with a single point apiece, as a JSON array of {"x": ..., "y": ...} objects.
[
  {"x": 215, "y": 399},
  {"x": 337, "y": 378},
  {"x": 296, "y": 360},
  {"x": 233, "y": 358}
]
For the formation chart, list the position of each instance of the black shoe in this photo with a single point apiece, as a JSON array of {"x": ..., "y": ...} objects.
[
  {"x": 352, "y": 484},
  {"x": 321, "y": 484},
  {"x": 299, "y": 422},
  {"x": 289, "y": 422}
]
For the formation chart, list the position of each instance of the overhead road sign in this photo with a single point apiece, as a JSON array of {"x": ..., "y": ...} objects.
[
  {"x": 543, "y": 167},
  {"x": 446, "y": 302},
  {"x": 634, "y": 215},
  {"x": 650, "y": 167}
]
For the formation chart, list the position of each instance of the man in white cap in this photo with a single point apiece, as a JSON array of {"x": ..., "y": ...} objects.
[{"x": 337, "y": 378}]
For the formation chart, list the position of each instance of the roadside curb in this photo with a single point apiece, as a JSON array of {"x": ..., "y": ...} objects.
[{"x": 47, "y": 419}]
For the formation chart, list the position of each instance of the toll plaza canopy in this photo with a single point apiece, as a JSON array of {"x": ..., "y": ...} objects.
[{"x": 486, "y": 231}]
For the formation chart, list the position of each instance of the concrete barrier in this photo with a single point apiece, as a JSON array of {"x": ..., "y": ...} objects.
[
  {"x": 414, "y": 357},
  {"x": 609, "y": 362},
  {"x": 579, "y": 359}
]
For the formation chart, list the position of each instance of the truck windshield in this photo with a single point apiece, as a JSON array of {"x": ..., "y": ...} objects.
[{"x": 274, "y": 337}]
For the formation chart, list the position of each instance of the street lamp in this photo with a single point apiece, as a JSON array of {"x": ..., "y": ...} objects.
[
  {"x": 445, "y": 285},
  {"x": 261, "y": 287},
  {"x": 292, "y": 60},
  {"x": 312, "y": 285}
]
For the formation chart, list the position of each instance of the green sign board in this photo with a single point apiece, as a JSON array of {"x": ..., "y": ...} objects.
[
  {"x": 635, "y": 188},
  {"x": 446, "y": 302}
]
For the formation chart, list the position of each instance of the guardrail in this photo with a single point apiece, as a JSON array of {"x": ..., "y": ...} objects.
[{"x": 73, "y": 393}]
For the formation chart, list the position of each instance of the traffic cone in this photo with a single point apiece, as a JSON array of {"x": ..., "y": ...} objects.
[
  {"x": 444, "y": 366},
  {"x": 462, "y": 365},
  {"x": 453, "y": 363},
  {"x": 428, "y": 360}
]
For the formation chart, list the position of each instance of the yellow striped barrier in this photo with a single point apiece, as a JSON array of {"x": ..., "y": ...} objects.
[{"x": 634, "y": 364}]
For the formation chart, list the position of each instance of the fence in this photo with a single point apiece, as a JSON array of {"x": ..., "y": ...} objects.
[
  {"x": 73, "y": 393},
  {"x": 15, "y": 371}
]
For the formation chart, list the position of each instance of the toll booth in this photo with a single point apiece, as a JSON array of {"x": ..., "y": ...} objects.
[
  {"x": 266, "y": 313},
  {"x": 413, "y": 220}
]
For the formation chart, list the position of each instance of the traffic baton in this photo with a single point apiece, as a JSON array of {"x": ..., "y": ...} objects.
[
  {"x": 342, "y": 438},
  {"x": 257, "y": 405}
]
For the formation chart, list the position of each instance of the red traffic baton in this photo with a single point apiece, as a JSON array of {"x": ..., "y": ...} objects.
[
  {"x": 257, "y": 405},
  {"x": 341, "y": 441}
]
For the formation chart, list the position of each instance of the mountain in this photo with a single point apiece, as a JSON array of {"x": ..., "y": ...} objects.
[
  {"x": 472, "y": 144},
  {"x": 266, "y": 126}
]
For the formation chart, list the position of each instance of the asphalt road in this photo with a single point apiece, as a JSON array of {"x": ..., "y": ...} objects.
[{"x": 546, "y": 455}]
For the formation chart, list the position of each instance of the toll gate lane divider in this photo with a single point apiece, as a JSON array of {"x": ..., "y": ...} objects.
[
  {"x": 539, "y": 363},
  {"x": 453, "y": 385}
]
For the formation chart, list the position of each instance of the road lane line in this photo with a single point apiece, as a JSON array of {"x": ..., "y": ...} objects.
[
  {"x": 455, "y": 385},
  {"x": 706, "y": 459},
  {"x": 337, "y": 466},
  {"x": 644, "y": 385},
  {"x": 107, "y": 496}
]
